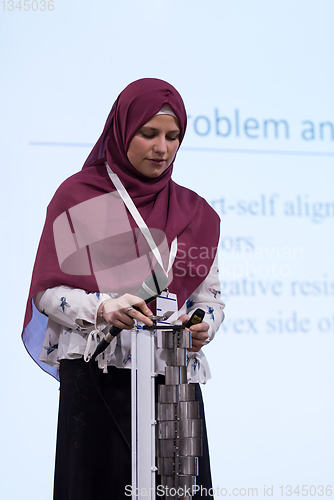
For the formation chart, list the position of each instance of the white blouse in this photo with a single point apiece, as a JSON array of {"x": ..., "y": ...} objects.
[{"x": 72, "y": 330}]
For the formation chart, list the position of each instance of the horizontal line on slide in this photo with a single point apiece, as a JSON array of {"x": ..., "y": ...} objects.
[{"x": 196, "y": 149}]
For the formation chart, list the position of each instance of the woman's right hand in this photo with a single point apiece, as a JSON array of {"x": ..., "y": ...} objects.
[{"x": 120, "y": 313}]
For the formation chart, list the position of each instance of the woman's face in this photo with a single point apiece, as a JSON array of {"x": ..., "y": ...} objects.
[{"x": 154, "y": 146}]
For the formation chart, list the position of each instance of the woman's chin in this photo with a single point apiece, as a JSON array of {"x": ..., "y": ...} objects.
[{"x": 152, "y": 171}]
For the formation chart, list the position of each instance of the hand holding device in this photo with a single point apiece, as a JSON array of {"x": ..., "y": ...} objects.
[
  {"x": 198, "y": 328},
  {"x": 122, "y": 312}
]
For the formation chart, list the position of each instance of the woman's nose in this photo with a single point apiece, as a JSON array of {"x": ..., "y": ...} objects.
[{"x": 160, "y": 145}]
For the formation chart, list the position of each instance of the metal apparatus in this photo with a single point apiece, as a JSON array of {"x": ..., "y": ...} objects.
[
  {"x": 171, "y": 432},
  {"x": 179, "y": 432}
]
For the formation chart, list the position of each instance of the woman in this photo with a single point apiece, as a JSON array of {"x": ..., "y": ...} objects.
[{"x": 94, "y": 258}]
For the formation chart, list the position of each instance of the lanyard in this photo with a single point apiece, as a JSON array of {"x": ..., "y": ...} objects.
[{"x": 141, "y": 223}]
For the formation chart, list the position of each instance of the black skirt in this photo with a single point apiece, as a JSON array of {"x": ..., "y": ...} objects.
[{"x": 93, "y": 460}]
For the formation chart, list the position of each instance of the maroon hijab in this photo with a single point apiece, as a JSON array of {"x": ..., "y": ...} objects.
[{"x": 163, "y": 204}]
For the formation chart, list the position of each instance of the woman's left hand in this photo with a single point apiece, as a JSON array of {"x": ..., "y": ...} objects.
[{"x": 199, "y": 333}]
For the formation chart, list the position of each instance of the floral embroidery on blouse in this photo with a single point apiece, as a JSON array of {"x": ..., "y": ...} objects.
[
  {"x": 195, "y": 362},
  {"x": 127, "y": 357},
  {"x": 214, "y": 291},
  {"x": 63, "y": 303},
  {"x": 92, "y": 336},
  {"x": 51, "y": 348},
  {"x": 189, "y": 303},
  {"x": 211, "y": 312}
]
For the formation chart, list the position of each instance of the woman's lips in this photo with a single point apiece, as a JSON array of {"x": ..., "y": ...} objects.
[{"x": 157, "y": 161}]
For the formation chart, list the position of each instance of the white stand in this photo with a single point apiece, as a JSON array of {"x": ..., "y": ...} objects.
[{"x": 143, "y": 414}]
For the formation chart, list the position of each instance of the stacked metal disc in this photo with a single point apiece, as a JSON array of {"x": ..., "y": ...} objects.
[{"x": 179, "y": 432}]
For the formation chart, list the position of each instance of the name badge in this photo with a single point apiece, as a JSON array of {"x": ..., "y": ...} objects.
[{"x": 167, "y": 302}]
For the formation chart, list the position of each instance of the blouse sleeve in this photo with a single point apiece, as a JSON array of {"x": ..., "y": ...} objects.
[
  {"x": 70, "y": 307},
  {"x": 208, "y": 297}
]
